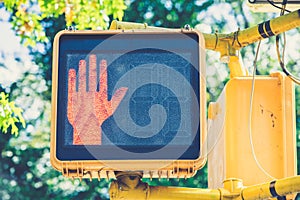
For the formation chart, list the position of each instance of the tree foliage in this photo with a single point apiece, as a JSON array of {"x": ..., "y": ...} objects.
[
  {"x": 171, "y": 14},
  {"x": 29, "y": 15},
  {"x": 25, "y": 166},
  {"x": 9, "y": 115}
]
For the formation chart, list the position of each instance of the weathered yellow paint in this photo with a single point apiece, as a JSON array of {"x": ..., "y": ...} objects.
[{"x": 272, "y": 131}]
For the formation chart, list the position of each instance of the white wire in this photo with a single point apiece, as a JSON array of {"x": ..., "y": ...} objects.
[{"x": 250, "y": 117}]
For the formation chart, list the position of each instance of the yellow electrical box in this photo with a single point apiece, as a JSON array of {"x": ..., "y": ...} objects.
[
  {"x": 128, "y": 101},
  {"x": 262, "y": 152}
]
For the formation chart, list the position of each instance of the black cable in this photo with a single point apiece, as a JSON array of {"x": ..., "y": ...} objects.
[
  {"x": 281, "y": 57},
  {"x": 284, "y": 3},
  {"x": 282, "y": 65}
]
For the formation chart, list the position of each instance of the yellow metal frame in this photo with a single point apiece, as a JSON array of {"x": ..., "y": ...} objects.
[
  {"x": 129, "y": 186},
  {"x": 149, "y": 168}
]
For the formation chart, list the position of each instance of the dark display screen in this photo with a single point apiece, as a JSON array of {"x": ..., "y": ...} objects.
[{"x": 128, "y": 96}]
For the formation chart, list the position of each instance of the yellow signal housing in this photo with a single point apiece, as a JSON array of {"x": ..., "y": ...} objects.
[
  {"x": 77, "y": 164},
  {"x": 272, "y": 154}
]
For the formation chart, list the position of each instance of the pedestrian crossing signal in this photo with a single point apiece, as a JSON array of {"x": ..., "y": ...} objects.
[{"x": 128, "y": 101}]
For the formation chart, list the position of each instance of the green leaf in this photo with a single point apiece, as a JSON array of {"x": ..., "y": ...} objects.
[{"x": 10, "y": 115}]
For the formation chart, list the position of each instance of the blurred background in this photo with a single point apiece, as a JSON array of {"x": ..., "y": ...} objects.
[{"x": 27, "y": 29}]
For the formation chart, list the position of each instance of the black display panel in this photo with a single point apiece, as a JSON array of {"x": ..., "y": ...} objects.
[{"x": 128, "y": 96}]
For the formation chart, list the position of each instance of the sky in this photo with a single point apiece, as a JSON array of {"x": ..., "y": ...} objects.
[{"x": 14, "y": 58}]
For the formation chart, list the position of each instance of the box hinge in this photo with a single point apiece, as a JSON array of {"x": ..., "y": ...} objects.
[{"x": 73, "y": 170}]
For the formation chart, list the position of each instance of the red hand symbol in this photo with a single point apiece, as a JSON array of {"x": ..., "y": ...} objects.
[{"x": 88, "y": 109}]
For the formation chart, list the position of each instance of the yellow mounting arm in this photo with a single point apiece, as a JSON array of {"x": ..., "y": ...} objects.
[
  {"x": 229, "y": 44},
  {"x": 129, "y": 186}
]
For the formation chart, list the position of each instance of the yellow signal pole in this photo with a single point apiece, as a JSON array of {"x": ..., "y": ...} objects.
[
  {"x": 236, "y": 40},
  {"x": 281, "y": 187},
  {"x": 229, "y": 44},
  {"x": 129, "y": 185}
]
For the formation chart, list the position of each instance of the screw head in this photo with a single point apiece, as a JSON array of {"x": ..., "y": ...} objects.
[
  {"x": 71, "y": 28},
  {"x": 187, "y": 27}
]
